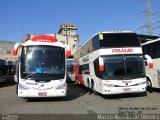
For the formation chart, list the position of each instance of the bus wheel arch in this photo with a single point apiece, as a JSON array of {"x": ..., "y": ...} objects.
[
  {"x": 88, "y": 83},
  {"x": 149, "y": 84}
]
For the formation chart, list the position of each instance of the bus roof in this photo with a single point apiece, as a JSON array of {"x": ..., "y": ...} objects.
[
  {"x": 101, "y": 40},
  {"x": 151, "y": 41},
  {"x": 112, "y": 32},
  {"x": 30, "y": 42},
  {"x": 146, "y": 38}
]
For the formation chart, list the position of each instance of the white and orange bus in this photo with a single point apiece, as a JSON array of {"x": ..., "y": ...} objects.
[
  {"x": 111, "y": 63},
  {"x": 41, "y": 67},
  {"x": 152, "y": 48}
]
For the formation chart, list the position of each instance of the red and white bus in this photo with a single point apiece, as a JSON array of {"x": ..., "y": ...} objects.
[
  {"x": 41, "y": 67},
  {"x": 70, "y": 70},
  {"x": 111, "y": 63}
]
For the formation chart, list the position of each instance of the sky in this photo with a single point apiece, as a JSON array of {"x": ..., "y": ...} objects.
[{"x": 21, "y": 17}]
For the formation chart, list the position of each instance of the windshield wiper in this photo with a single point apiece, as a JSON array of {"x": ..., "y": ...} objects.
[
  {"x": 31, "y": 75},
  {"x": 114, "y": 77},
  {"x": 35, "y": 73}
]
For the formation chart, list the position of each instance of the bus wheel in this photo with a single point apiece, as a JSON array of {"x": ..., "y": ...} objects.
[
  {"x": 88, "y": 83},
  {"x": 17, "y": 88},
  {"x": 93, "y": 88},
  {"x": 76, "y": 81},
  {"x": 149, "y": 85},
  {"x": 79, "y": 82}
]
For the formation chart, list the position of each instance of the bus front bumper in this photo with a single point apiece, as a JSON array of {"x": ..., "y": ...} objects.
[
  {"x": 122, "y": 90},
  {"x": 46, "y": 93}
]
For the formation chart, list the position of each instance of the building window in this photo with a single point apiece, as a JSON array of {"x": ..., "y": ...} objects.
[{"x": 74, "y": 46}]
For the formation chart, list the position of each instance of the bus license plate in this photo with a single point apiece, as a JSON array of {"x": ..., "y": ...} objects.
[
  {"x": 42, "y": 94},
  {"x": 127, "y": 89}
]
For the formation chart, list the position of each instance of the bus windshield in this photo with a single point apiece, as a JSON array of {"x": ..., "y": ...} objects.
[
  {"x": 124, "y": 66},
  {"x": 42, "y": 62},
  {"x": 70, "y": 64},
  {"x": 119, "y": 40}
]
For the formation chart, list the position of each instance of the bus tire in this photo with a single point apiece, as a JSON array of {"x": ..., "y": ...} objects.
[
  {"x": 17, "y": 88},
  {"x": 144, "y": 94},
  {"x": 77, "y": 81},
  {"x": 93, "y": 87},
  {"x": 88, "y": 83},
  {"x": 149, "y": 85}
]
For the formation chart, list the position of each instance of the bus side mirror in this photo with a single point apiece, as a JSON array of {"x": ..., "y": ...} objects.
[
  {"x": 149, "y": 61},
  {"x": 15, "y": 49},
  {"x": 101, "y": 64},
  {"x": 68, "y": 51}
]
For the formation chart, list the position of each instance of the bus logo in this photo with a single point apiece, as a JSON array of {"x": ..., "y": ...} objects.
[
  {"x": 29, "y": 83},
  {"x": 122, "y": 50},
  {"x": 126, "y": 82}
]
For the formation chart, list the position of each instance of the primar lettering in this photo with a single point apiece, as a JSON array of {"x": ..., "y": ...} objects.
[
  {"x": 123, "y": 50},
  {"x": 28, "y": 83}
]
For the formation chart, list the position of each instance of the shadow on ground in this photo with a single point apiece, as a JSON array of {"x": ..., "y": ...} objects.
[
  {"x": 126, "y": 95},
  {"x": 74, "y": 92},
  {"x": 7, "y": 84}
]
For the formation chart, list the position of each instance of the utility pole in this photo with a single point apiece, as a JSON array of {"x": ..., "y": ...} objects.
[
  {"x": 66, "y": 34},
  {"x": 149, "y": 14}
]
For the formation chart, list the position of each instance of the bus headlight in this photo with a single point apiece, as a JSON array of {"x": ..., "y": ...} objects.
[
  {"x": 22, "y": 87},
  {"x": 63, "y": 86}
]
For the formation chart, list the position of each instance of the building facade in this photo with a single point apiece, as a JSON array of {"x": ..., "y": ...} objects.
[
  {"x": 6, "y": 48},
  {"x": 67, "y": 34},
  {"x": 68, "y": 29}
]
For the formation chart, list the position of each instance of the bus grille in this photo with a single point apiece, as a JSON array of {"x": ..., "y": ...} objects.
[{"x": 158, "y": 77}]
